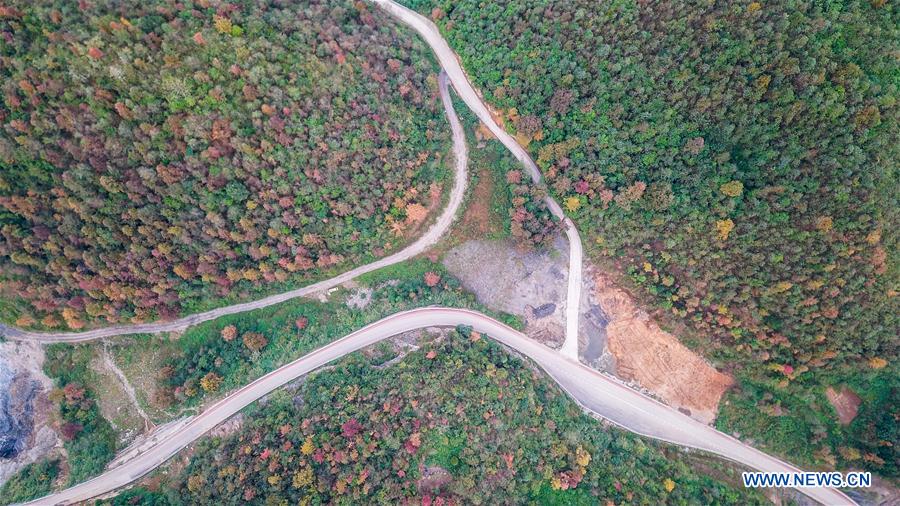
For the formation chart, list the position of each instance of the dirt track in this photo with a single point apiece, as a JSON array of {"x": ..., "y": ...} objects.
[{"x": 432, "y": 236}]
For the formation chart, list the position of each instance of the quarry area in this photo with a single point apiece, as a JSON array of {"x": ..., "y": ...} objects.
[{"x": 26, "y": 430}]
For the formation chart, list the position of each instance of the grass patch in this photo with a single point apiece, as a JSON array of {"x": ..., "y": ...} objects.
[
  {"x": 178, "y": 367},
  {"x": 813, "y": 437}
]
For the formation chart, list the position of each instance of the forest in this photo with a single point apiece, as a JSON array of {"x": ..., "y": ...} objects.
[
  {"x": 34, "y": 480},
  {"x": 161, "y": 157},
  {"x": 736, "y": 164},
  {"x": 175, "y": 377},
  {"x": 88, "y": 437},
  {"x": 458, "y": 421},
  {"x": 733, "y": 162}
]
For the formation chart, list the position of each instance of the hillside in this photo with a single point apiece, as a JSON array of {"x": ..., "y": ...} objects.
[
  {"x": 159, "y": 157},
  {"x": 737, "y": 165},
  {"x": 459, "y": 421}
]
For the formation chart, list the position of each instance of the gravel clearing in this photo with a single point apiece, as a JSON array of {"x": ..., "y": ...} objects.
[{"x": 531, "y": 283}]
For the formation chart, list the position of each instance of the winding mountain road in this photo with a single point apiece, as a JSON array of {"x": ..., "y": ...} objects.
[
  {"x": 451, "y": 69},
  {"x": 432, "y": 236},
  {"x": 593, "y": 390},
  {"x": 596, "y": 392},
  {"x": 450, "y": 64}
]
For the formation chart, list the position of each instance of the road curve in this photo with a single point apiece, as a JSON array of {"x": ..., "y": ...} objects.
[
  {"x": 593, "y": 390},
  {"x": 434, "y": 233},
  {"x": 467, "y": 93},
  {"x": 447, "y": 58}
]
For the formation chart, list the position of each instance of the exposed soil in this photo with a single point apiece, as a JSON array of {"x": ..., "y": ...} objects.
[
  {"x": 127, "y": 388},
  {"x": 477, "y": 218},
  {"x": 531, "y": 283},
  {"x": 508, "y": 278},
  {"x": 359, "y": 298},
  {"x": 141, "y": 370},
  {"x": 228, "y": 427},
  {"x": 146, "y": 440},
  {"x": 845, "y": 402},
  {"x": 655, "y": 359},
  {"x": 27, "y": 433},
  {"x": 881, "y": 493},
  {"x": 115, "y": 401}
]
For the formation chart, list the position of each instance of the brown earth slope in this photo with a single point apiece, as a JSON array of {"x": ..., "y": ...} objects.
[{"x": 655, "y": 359}]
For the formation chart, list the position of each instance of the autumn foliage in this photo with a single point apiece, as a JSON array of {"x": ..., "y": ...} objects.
[
  {"x": 496, "y": 431},
  {"x": 155, "y": 156},
  {"x": 432, "y": 279},
  {"x": 747, "y": 152}
]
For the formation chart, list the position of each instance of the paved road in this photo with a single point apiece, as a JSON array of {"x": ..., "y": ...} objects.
[
  {"x": 596, "y": 392},
  {"x": 448, "y": 60},
  {"x": 434, "y": 233},
  {"x": 465, "y": 90}
]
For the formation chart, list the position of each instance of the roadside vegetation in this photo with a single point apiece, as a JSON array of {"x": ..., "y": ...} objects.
[
  {"x": 207, "y": 361},
  {"x": 736, "y": 164},
  {"x": 775, "y": 417},
  {"x": 503, "y": 202},
  {"x": 460, "y": 420},
  {"x": 89, "y": 439},
  {"x": 32, "y": 481},
  {"x": 213, "y": 358},
  {"x": 159, "y": 158}
]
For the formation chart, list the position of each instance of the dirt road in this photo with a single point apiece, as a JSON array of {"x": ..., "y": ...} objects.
[
  {"x": 467, "y": 93},
  {"x": 593, "y": 390},
  {"x": 432, "y": 236}
]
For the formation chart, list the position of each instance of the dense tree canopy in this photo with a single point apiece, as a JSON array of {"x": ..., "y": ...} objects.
[
  {"x": 33, "y": 480},
  {"x": 737, "y": 160},
  {"x": 457, "y": 422},
  {"x": 155, "y": 154}
]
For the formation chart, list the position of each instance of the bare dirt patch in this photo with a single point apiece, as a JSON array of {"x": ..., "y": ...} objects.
[
  {"x": 477, "y": 219},
  {"x": 531, "y": 283},
  {"x": 655, "y": 359},
  {"x": 114, "y": 401},
  {"x": 228, "y": 427},
  {"x": 845, "y": 402},
  {"x": 140, "y": 360},
  {"x": 615, "y": 335},
  {"x": 359, "y": 298},
  {"x": 507, "y": 278}
]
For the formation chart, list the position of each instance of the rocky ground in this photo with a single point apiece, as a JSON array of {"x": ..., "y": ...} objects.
[
  {"x": 531, "y": 284},
  {"x": 615, "y": 335},
  {"x": 26, "y": 431}
]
